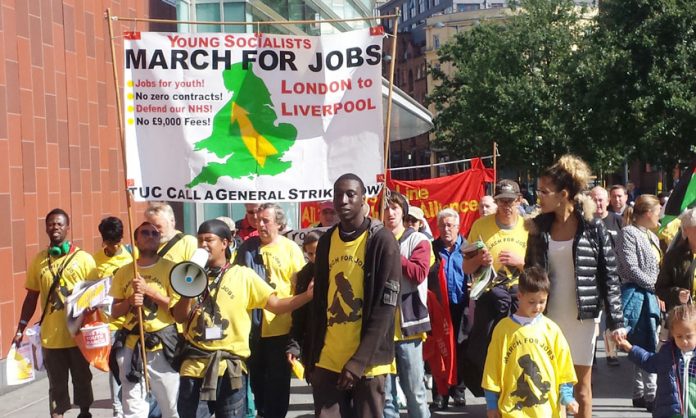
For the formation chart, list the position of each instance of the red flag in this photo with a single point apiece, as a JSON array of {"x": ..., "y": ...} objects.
[{"x": 439, "y": 349}]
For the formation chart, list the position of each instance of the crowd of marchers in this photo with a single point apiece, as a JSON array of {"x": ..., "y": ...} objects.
[{"x": 377, "y": 312}]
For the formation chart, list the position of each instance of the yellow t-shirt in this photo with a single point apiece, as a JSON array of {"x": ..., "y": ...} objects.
[
  {"x": 345, "y": 302},
  {"x": 239, "y": 291},
  {"x": 497, "y": 239},
  {"x": 154, "y": 317},
  {"x": 282, "y": 259},
  {"x": 525, "y": 365},
  {"x": 106, "y": 266},
  {"x": 54, "y": 331},
  {"x": 181, "y": 251},
  {"x": 667, "y": 234},
  {"x": 655, "y": 248}
]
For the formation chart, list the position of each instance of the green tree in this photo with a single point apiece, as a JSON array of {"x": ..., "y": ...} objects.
[
  {"x": 510, "y": 84},
  {"x": 644, "y": 92},
  {"x": 547, "y": 81}
]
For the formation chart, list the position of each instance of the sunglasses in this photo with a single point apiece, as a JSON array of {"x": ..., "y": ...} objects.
[{"x": 149, "y": 233}]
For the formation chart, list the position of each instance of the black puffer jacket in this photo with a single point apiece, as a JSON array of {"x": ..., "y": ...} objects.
[{"x": 596, "y": 279}]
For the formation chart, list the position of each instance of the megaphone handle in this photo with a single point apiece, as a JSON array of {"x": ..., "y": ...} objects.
[{"x": 143, "y": 352}]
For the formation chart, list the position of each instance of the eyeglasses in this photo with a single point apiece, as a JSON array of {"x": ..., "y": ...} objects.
[
  {"x": 149, "y": 233},
  {"x": 505, "y": 202}
]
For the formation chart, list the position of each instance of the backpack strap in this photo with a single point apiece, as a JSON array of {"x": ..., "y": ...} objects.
[
  {"x": 172, "y": 242},
  {"x": 56, "y": 280}
]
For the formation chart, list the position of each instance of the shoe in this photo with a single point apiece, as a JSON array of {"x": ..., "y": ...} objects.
[
  {"x": 649, "y": 405},
  {"x": 459, "y": 401},
  {"x": 639, "y": 402},
  {"x": 458, "y": 395},
  {"x": 613, "y": 361},
  {"x": 84, "y": 415},
  {"x": 440, "y": 403}
]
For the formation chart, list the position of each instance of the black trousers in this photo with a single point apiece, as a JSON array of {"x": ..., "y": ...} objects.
[
  {"x": 364, "y": 400},
  {"x": 269, "y": 376}
]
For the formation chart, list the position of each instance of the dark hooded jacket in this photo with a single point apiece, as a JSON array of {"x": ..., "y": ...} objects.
[
  {"x": 597, "y": 283},
  {"x": 382, "y": 269},
  {"x": 677, "y": 273}
]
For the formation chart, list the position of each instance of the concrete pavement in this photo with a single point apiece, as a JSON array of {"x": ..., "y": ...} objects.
[{"x": 612, "y": 397}]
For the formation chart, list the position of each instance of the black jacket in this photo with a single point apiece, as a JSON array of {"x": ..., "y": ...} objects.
[
  {"x": 677, "y": 273},
  {"x": 596, "y": 280},
  {"x": 301, "y": 316},
  {"x": 382, "y": 270}
]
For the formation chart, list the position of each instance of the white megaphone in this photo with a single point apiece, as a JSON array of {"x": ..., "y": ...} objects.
[{"x": 189, "y": 278}]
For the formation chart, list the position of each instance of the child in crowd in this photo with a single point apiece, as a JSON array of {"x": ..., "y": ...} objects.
[
  {"x": 668, "y": 363},
  {"x": 296, "y": 345},
  {"x": 529, "y": 371}
]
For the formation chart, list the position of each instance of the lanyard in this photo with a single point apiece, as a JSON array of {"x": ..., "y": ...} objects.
[{"x": 214, "y": 286}]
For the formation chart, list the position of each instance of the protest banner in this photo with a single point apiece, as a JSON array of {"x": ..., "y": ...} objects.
[
  {"x": 216, "y": 117},
  {"x": 461, "y": 192}
]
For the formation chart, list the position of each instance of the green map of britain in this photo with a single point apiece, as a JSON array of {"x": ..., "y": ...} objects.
[{"x": 245, "y": 131}]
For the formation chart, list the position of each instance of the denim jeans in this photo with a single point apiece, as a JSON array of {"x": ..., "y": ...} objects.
[
  {"x": 229, "y": 404},
  {"x": 410, "y": 368}
]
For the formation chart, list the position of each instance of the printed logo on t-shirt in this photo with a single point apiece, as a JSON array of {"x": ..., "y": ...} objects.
[
  {"x": 57, "y": 298},
  {"x": 344, "y": 292},
  {"x": 204, "y": 321},
  {"x": 531, "y": 388}
]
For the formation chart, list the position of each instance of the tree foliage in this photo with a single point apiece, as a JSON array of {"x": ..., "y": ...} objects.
[{"x": 549, "y": 81}]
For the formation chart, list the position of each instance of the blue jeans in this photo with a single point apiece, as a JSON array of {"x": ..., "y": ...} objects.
[
  {"x": 410, "y": 368},
  {"x": 229, "y": 404}
]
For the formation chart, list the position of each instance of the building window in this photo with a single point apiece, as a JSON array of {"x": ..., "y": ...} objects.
[
  {"x": 436, "y": 41},
  {"x": 468, "y": 7},
  {"x": 221, "y": 11},
  {"x": 412, "y": 7},
  {"x": 421, "y": 6},
  {"x": 436, "y": 2},
  {"x": 497, "y": 5}
]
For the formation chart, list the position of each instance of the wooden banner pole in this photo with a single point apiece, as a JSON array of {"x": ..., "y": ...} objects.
[
  {"x": 119, "y": 113},
  {"x": 387, "y": 134}
]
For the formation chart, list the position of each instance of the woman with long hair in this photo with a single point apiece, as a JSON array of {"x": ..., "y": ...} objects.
[
  {"x": 639, "y": 256},
  {"x": 573, "y": 246}
]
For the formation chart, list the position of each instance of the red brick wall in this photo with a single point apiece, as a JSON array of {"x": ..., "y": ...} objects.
[{"x": 59, "y": 140}]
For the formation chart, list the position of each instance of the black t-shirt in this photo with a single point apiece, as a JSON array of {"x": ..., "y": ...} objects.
[{"x": 613, "y": 223}]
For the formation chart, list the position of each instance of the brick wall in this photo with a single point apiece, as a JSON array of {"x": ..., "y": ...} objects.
[{"x": 59, "y": 140}]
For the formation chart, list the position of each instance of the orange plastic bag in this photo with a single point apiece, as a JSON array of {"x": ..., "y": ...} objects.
[{"x": 94, "y": 340}]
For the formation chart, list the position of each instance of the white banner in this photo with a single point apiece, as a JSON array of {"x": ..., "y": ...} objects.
[{"x": 251, "y": 117}]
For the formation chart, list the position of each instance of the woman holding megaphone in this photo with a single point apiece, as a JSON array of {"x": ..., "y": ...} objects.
[{"x": 217, "y": 325}]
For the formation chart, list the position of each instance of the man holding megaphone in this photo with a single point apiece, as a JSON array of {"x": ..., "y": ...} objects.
[{"x": 217, "y": 325}]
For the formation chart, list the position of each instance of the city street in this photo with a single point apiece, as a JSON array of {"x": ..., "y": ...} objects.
[{"x": 612, "y": 397}]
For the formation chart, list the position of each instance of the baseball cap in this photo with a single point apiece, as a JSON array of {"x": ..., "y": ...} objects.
[
  {"x": 416, "y": 212},
  {"x": 506, "y": 189},
  {"x": 327, "y": 204}
]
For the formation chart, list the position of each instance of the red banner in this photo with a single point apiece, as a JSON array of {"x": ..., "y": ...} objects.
[{"x": 461, "y": 192}]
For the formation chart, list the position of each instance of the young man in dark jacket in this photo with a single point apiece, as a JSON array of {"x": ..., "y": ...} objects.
[{"x": 351, "y": 337}]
